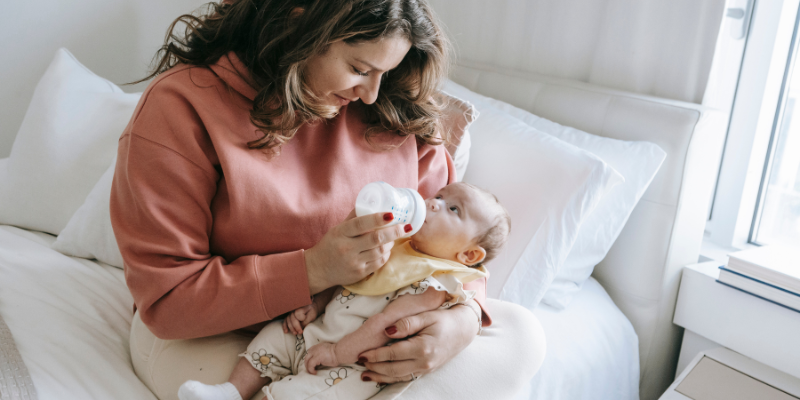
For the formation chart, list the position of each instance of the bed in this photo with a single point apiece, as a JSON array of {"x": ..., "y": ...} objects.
[{"x": 69, "y": 317}]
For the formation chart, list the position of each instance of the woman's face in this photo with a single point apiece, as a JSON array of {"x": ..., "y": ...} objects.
[{"x": 348, "y": 72}]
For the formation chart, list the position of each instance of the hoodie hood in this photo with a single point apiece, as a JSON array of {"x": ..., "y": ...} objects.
[{"x": 235, "y": 74}]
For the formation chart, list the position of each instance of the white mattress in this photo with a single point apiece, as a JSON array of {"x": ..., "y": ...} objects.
[{"x": 70, "y": 319}]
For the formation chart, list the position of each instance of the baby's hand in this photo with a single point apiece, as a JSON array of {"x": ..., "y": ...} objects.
[
  {"x": 299, "y": 319},
  {"x": 321, "y": 354}
]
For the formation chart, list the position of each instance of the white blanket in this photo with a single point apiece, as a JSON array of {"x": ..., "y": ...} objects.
[
  {"x": 592, "y": 351},
  {"x": 70, "y": 319}
]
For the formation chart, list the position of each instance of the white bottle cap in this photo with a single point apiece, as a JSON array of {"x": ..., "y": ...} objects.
[{"x": 406, "y": 205}]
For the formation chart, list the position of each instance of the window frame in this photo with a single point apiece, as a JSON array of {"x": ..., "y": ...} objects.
[
  {"x": 780, "y": 114},
  {"x": 755, "y": 114}
]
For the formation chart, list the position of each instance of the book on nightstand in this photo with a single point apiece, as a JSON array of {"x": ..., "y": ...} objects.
[{"x": 769, "y": 272}]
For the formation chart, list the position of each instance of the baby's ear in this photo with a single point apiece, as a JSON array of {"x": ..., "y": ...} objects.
[{"x": 472, "y": 255}]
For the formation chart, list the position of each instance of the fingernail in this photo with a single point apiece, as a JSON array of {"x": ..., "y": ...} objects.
[
  {"x": 391, "y": 330},
  {"x": 407, "y": 228},
  {"x": 388, "y": 217},
  {"x": 361, "y": 360},
  {"x": 365, "y": 378}
]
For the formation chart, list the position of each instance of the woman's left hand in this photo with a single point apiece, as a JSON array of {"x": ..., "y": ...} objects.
[{"x": 439, "y": 336}]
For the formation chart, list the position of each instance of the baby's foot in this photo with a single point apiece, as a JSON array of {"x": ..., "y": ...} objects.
[
  {"x": 321, "y": 354},
  {"x": 194, "y": 390}
]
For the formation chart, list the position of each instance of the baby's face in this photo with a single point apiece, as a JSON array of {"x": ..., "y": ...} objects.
[{"x": 455, "y": 217}]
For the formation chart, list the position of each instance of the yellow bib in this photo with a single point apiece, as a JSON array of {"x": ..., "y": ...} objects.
[{"x": 407, "y": 266}]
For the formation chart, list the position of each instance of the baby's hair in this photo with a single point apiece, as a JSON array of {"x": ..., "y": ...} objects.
[{"x": 493, "y": 239}]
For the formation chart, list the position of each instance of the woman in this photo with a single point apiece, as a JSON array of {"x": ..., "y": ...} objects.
[{"x": 238, "y": 169}]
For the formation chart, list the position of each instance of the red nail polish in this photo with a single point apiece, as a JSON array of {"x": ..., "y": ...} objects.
[
  {"x": 362, "y": 360},
  {"x": 366, "y": 379},
  {"x": 388, "y": 217},
  {"x": 391, "y": 330},
  {"x": 407, "y": 228}
]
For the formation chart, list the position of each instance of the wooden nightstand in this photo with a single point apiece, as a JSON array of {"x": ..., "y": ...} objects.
[{"x": 715, "y": 315}]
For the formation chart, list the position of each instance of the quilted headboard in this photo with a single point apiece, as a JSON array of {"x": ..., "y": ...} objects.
[{"x": 664, "y": 232}]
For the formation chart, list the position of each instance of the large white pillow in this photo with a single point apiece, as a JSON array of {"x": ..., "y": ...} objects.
[
  {"x": 88, "y": 233},
  {"x": 549, "y": 188},
  {"x": 66, "y": 141},
  {"x": 637, "y": 161}
]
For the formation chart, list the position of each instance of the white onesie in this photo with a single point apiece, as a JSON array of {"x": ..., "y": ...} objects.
[{"x": 280, "y": 356}]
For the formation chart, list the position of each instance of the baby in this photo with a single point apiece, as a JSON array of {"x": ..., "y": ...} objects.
[{"x": 464, "y": 227}]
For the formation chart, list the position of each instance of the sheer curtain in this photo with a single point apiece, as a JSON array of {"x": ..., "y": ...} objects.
[{"x": 657, "y": 47}]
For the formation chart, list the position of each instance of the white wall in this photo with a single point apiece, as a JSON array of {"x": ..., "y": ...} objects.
[
  {"x": 657, "y": 47},
  {"x": 114, "y": 38}
]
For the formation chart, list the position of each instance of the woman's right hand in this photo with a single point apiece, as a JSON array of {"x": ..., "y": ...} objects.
[{"x": 351, "y": 250}]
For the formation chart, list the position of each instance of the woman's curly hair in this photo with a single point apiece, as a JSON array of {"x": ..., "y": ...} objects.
[{"x": 275, "y": 41}]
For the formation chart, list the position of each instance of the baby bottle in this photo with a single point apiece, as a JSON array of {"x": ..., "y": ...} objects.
[{"x": 406, "y": 205}]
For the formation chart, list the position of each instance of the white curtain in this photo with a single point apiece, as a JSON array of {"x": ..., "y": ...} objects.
[{"x": 657, "y": 47}]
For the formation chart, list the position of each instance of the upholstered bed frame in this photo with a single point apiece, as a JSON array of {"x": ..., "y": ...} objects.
[{"x": 664, "y": 232}]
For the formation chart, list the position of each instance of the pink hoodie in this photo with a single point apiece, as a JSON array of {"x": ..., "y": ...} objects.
[{"x": 212, "y": 232}]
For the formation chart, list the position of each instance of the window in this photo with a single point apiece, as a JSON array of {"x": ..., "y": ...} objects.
[
  {"x": 757, "y": 198},
  {"x": 777, "y": 218}
]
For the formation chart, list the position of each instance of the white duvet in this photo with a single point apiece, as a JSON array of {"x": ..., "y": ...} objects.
[
  {"x": 70, "y": 319},
  {"x": 592, "y": 350}
]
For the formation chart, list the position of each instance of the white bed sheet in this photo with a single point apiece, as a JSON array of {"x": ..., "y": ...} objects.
[
  {"x": 70, "y": 319},
  {"x": 592, "y": 351}
]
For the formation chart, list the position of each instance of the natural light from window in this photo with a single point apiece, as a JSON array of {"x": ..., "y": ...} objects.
[{"x": 779, "y": 221}]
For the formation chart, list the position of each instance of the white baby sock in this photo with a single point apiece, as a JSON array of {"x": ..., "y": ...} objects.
[{"x": 194, "y": 390}]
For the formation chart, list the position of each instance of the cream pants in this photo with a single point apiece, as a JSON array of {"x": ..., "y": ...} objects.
[{"x": 494, "y": 366}]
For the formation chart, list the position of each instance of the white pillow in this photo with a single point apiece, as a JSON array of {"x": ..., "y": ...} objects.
[
  {"x": 637, "y": 162},
  {"x": 88, "y": 233},
  {"x": 66, "y": 141},
  {"x": 549, "y": 188}
]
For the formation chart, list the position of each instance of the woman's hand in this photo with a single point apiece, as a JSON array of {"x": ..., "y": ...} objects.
[
  {"x": 351, "y": 250},
  {"x": 440, "y": 335}
]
